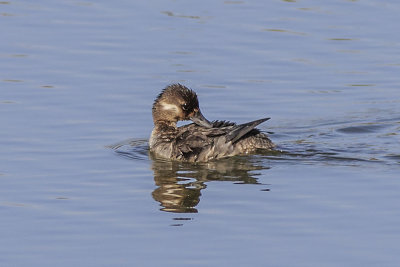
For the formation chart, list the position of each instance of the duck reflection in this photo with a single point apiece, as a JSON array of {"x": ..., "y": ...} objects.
[{"x": 179, "y": 184}]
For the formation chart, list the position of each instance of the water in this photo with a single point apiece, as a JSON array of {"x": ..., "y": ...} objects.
[{"x": 78, "y": 76}]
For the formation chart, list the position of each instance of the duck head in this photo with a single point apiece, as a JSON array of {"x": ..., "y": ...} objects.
[{"x": 178, "y": 103}]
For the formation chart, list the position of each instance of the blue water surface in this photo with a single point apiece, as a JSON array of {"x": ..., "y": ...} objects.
[{"x": 79, "y": 188}]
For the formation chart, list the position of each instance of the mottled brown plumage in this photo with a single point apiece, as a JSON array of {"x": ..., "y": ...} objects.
[{"x": 201, "y": 141}]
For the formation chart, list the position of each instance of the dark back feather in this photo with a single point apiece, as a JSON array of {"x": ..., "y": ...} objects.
[{"x": 240, "y": 130}]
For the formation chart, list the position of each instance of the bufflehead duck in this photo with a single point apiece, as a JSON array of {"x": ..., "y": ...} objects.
[{"x": 202, "y": 140}]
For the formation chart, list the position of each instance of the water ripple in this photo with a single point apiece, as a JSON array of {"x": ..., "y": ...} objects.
[
  {"x": 328, "y": 142},
  {"x": 133, "y": 148},
  {"x": 368, "y": 128}
]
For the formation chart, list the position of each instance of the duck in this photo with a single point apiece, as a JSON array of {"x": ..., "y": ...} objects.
[{"x": 202, "y": 140}]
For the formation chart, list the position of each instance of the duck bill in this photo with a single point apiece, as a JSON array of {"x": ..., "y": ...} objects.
[{"x": 200, "y": 120}]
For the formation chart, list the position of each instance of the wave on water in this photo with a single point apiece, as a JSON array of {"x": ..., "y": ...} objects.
[{"x": 348, "y": 143}]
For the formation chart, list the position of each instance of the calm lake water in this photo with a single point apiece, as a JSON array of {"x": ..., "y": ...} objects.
[{"x": 79, "y": 76}]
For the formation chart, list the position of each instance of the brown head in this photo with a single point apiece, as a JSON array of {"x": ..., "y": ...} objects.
[{"x": 178, "y": 103}]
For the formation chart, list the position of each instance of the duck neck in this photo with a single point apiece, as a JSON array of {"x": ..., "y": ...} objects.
[
  {"x": 160, "y": 130},
  {"x": 161, "y": 124}
]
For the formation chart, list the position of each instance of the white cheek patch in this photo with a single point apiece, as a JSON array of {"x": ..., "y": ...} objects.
[{"x": 171, "y": 107}]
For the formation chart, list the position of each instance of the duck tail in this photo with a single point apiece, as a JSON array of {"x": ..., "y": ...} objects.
[{"x": 240, "y": 130}]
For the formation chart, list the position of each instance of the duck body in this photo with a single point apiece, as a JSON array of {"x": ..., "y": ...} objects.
[{"x": 202, "y": 140}]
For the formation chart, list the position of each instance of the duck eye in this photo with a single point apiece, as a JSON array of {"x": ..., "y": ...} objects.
[{"x": 185, "y": 107}]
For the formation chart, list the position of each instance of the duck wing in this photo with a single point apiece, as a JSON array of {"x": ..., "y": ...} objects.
[
  {"x": 240, "y": 130},
  {"x": 191, "y": 139}
]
